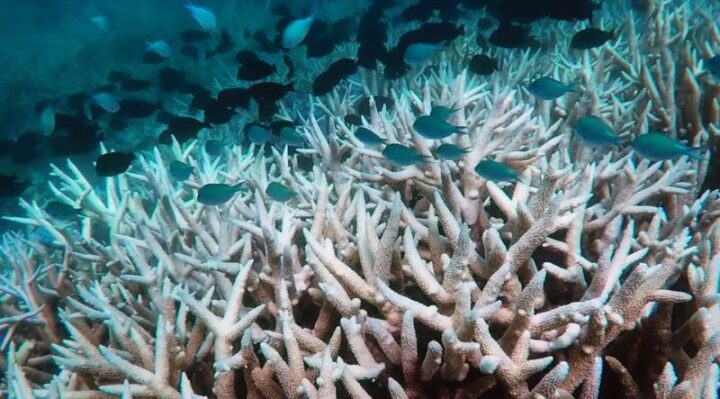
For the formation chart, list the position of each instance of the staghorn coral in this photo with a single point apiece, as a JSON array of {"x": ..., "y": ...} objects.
[{"x": 598, "y": 278}]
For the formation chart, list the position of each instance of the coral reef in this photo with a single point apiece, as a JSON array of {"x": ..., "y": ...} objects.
[{"x": 596, "y": 277}]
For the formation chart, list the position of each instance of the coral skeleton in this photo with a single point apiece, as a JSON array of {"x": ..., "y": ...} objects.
[{"x": 596, "y": 276}]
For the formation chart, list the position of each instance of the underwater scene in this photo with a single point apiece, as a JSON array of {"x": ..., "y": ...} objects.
[{"x": 386, "y": 199}]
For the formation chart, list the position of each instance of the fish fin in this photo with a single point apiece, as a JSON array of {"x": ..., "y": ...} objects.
[{"x": 575, "y": 87}]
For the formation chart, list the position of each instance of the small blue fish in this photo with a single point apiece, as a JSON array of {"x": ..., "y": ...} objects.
[
  {"x": 62, "y": 211},
  {"x": 159, "y": 47},
  {"x": 420, "y": 53},
  {"x": 594, "y": 132},
  {"x": 496, "y": 171},
  {"x": 216, "y": 193},
  {"x": 403, "y": 156},
  {"x": 101, "y": 21},
  {"x": 296, "y": 30},
  {"x": 203, "y": 16},
  {"x": 432, "y": 127},
  {"x": 290, "y": 137},
  {"x": 659, "y": 147},
  {"x": 214, "y": 148},
  {"x": 442, "y": 112},
  {"x": 549, "y": 89},
  {"x": 368, "y": 137},
  {"x": 180, "y": 170},
  {"x": 450, "y": 152},
  {"x": 47, "y": 119},
  {"x": 279, "y": 192},
  {"x": 257, "y": 133},
  {"x": 106, "y": 101},
  {"x": 712, "y": 65}
]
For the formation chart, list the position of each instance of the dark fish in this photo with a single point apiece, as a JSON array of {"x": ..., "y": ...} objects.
[
  {"x": 118, "y": 76},
  {"x": 442, "y": 112},
  {"x": 171, "y": 79},
  {"x": 571, "y": 10},
  {"x": 660, "y": 147},
  {"x": 180, "y": 170},
  {"x": 113, "y": 163},
  {"x": 194, "y": 35},
  {"x": 403, "y": 156},
  {"x": 269, "y": 91},
  {"x": 363, "y": 106},
  {"x": 214, "y": 148},
  {"x": 343, "y": 29},
  {"x": 353, "y": 120},
  {"x": 217, "y": 113},
  {"x": 496, "y": 171},
  {"x": 428, "y": 34},
  {"x": 416, "y": 12},
  {"x": 279, "y": 192},
  {"x": 135, "y": 84},
  {"x": 244, "y": 56},
  {"x": 75, "y": 139},
  {"x": 512, "y": 36},
  {"x": 224, "y": 46},
  {"x": 184, "y": 128},
  {"x": 281, "y": 10},
  {"x": 594, "y": 132},
  {"x": 450, "y": 152},
  {"x": 62, "y": 211},
  {"x": 712, "y": 65},
  {"x": 255, "y": 70},
  {"x": 10, "y": 186},
  {"x": 131, "y": 108},
  {"x": 547, "y": 88},
  {"x": 152, "y": 58},
  {"x": 216, "y": 193},
  {"x": 590, "y": 38},
  {"x": 257, "y": 133},
  {"x": 290, "y": 137},
  {"x": 435, "y": 128},
  {"x": 369, "y": 53},
  {"x": 367, "y": 136},
  {"x": 234, "y": 97},
  {"x": 483, "y": 65},
  {"x": 484, "y": 23},
  {"x": 325, "y": 83},
  {"x": 372, "y": 35}
]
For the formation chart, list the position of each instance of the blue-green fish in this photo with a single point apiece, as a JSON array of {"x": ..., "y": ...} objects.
[
  {"x": 496, "y": 171},
  {"x": 712, "y": 65},
  {"x": 216, "y": 193},
  {"x": 549, "y": 89},
  {"x": 442, "y": 112},
  {"x": 659, "y": 147},
  {"x": 214, "y": 147},
  {"x": 180, "y": 171},
  {"x": 297, "y": 29},
  {"x": 432, "y": 127},
  {"x": 368, "y": 137},
  {"x": 403, "y": 156},
  {"x": 290, "y": 137},
  {"x": 257, "y": 133},
  {"x": 62, "y": 211},
  {"x": 594, "y": 132},
  {"x": 279, "y": 192},
  {"x": 450, "y": 152},
  {"x": 420, "y": 53}
]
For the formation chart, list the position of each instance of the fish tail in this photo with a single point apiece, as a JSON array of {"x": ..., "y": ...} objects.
[
  {"x": 696, "y": 152},
  {"x": 312, "y": 8},
  {"x": 86, "y": 109}
]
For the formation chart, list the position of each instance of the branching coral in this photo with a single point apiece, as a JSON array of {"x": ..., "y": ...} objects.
[{"x": 596, "y": 277}]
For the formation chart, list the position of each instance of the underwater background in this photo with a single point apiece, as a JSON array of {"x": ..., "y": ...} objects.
[{"x": 359, "y": 199}]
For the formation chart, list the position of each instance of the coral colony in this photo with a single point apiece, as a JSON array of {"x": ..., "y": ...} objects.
[{"x": 420, "y": 231}]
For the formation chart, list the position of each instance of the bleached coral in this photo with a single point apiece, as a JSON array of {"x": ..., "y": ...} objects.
[{"x": 599, "y": 275}]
